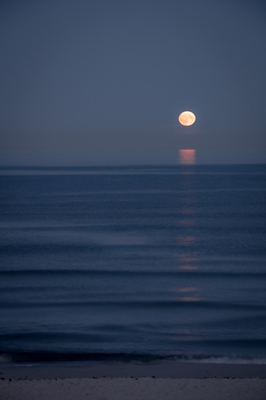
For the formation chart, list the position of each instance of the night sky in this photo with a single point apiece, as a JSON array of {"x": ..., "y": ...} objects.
[{"x": 103, "y": 82}]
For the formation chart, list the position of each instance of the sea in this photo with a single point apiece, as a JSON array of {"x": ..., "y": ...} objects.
[{"x": 133, "y": 264}]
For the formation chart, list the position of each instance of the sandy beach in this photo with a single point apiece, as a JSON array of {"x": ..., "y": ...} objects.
[{"x": 184, "y": 381}]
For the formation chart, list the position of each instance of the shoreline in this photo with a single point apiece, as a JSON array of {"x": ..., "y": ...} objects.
[
  {"x": 165, "y": 369},
  {"x": 126, "y": 381}
]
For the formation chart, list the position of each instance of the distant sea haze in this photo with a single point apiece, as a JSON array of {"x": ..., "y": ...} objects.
[{"x": 134, "y": 263}]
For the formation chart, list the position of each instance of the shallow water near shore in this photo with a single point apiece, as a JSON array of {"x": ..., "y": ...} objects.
[{"x": 133, "y": 264}]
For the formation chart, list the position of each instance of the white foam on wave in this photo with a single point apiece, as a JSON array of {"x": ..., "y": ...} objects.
[{"x": 229, "y": 360}]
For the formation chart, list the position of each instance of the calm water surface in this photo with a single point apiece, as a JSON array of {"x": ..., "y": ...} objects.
[{"x": 133, "y": 263}]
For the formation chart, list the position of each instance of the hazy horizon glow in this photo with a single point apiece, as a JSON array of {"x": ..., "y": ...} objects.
[{"x": 187, "y": 157}]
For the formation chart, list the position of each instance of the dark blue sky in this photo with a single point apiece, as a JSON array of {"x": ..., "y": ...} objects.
[{"x": 102, "y": 82}]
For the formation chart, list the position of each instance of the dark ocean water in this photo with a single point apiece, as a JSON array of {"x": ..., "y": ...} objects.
[{"x": 133, "y": 263}]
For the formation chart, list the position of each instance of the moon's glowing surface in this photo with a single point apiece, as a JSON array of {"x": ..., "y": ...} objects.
[{"x": 187, "y": 118}]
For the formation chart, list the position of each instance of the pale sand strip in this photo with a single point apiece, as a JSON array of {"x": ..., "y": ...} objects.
[
  {"x": 128, "y": 381},
  {"x": 134, "y": 389}
]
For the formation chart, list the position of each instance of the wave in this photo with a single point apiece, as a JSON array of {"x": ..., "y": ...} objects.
[
  {"x": 130, "y": 273},
  {"x": 156, "y": 304},
  {"x": 60, "y": 357}
]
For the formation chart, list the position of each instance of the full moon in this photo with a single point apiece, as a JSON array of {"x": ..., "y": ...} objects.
[{"x": 187, "y": 118}]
